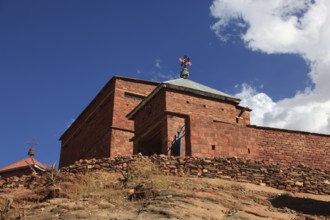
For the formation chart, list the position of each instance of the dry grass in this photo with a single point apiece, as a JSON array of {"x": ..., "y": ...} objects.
[
  {"x": 98, "y": 185},
  {"x": 116, "y": 187},
  {"x": 144, "y": 171},
  {"x": 236, "y": 187},
  {"x": 5, "y": 205}
]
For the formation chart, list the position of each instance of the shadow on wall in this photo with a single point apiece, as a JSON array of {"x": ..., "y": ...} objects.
[{"x": 303, "y": 205}]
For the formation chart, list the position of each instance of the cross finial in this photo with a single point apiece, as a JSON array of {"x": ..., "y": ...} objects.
[
  {"x": 184, "y": 62},
  {"x": 32, "y": 151}
]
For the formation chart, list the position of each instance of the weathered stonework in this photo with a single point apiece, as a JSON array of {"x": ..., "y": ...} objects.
[
  {"x": 102, "y": 129},
  {"x": 175, "y": 120},
  {"x": 262, "y": 172}
]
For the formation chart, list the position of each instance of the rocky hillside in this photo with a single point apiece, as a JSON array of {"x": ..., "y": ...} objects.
[{"x": 136, "y": 188}]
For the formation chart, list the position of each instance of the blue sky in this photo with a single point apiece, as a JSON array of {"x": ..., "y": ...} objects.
[{"x": 56, "y": 55}]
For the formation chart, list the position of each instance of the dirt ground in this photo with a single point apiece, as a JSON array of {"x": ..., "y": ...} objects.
[
  {"x": 179, "y": 198},
  {"x": 143, "y": 193}
]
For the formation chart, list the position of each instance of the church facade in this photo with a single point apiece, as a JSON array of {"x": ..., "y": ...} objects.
[{"x": 181, "y": 118}]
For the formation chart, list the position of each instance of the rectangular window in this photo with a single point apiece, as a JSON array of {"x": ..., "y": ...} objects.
[{"x": 134, "y": 96}]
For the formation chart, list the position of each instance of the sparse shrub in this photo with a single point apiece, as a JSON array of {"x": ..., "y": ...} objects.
[
  {"x": 98, "y": 185},
  {"x": 144, "y": 171},
  {"x": 5, "y": 205},
  {"x": 142, "y": 177},
  {"x": 238, "y": 188},
  {"x": 53, "y": 174},
  {"x": 285, "y": 194},
  {"x": 146, "y": 180},
  {"x": 126, "y": 177}
]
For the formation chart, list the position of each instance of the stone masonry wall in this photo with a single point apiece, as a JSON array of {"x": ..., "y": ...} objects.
[
  {"x": 215, "y": 131},
  {"x": 148, "y": 120},
  {"x": 120, "y": 144},
  {"x": 200, "y": 107},
  {"x": 277, "y": 175},
  {"x": 128, "y": 94},
  {"x": 278, "y": 145},
  {"x": 293, "y": 147},
  {"x": 147, "y": 116},
  {"x": 206, "y": 137},
  {"x": 229, "y": 140},
  {"x": 291, "y": 178},
  {"x": 89, "y": 130},
  {"x": 104, "y": 121}
]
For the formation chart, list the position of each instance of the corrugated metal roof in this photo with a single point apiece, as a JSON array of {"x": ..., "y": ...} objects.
[
  {"x": 197, "y": 86},
  {"x": 186, "y": 85}
]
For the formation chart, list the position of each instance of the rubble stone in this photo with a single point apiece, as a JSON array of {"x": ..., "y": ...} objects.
[{"x": 281, "y": 176}]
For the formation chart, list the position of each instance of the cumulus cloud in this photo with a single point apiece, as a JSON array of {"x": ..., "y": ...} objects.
[{"x": 299, "y": 27}]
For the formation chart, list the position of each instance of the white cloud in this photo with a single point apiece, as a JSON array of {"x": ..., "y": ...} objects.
[
  {"x": 69, "y": 123},
  {"x": 158, "y": 76},
  {"x": 299, "y": 27},
  {"x": 259, "y": 102},
  {"x": 157, "y": 64}
]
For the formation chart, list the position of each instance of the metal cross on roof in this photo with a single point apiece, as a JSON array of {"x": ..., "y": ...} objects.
[{"x": 184, "y": 62}]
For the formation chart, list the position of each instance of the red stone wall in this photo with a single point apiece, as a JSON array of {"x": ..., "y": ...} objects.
[
  {"x": 278, "y": 145},
  {"x": 203, "y": 114},
  {"x": 293, "y": 147},
  {"x": 214, "y": 128},
  {"x": 230, "y": 140},
  {"x": 150, "y": 114},
  {"x": 148, "y": 122},
  {"x": 215, "y": 131},
  {"x": 244, "y": 117},
  {"x": 102, "y": 129},
  {"x": 128, "y": 94},
  {"x": 88, "y": 136},
  {"x": 200, "y": 107},
  {"x": 120, "y": 144}
]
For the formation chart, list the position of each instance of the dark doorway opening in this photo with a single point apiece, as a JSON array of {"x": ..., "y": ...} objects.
[
  {"x": 151, "y": 145},
  {"x": 176, "y": 148}
]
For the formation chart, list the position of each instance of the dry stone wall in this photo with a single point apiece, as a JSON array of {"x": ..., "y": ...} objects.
[{"x": 291, "y": 178}]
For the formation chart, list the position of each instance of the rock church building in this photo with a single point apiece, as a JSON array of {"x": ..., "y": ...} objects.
[{"x": 182, "y": 118}]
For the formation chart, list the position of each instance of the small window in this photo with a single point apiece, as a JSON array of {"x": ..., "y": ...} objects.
[
  {"x": 204, "y": 106},
  {"x": 134, "y": 96},
  {"x": 249, "y": 151},
  {"x": 188, "y": 102},
  {"x": 213, "y": 147}
]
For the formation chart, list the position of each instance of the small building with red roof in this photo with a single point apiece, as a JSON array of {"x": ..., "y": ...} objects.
[{"x": 23, "y": 167}]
